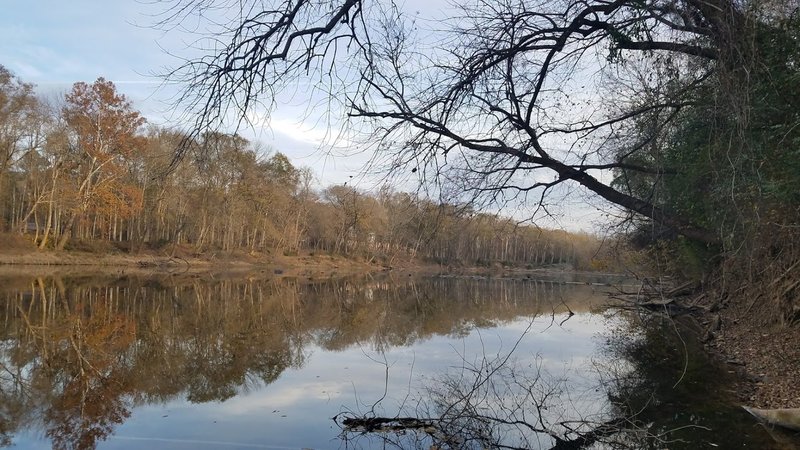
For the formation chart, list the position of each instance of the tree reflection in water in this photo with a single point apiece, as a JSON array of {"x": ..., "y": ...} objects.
[
  {"x": 92, "y": 379},
  {"x": 654, "y": 388},
  {"x": 79, "y": 353},
  {"x": 507, "y": 400}
]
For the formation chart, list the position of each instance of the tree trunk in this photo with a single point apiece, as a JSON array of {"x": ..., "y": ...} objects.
[
  {"x": 639, "y": 206},
  {"x": 68, "y": 230}
]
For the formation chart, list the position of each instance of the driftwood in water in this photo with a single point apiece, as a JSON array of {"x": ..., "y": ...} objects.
[
  {"x": 431, "y": 427},
  {"x": 659, "y": 298},
  {"x": 669, "y": 306},
  {"x": 788, "y": 418},
  {"x": 382, "y": 424}
]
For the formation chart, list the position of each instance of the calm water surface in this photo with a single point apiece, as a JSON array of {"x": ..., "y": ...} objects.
[{"x": 180, "y": 362}]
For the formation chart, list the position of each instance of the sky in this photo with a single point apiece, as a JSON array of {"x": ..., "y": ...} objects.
[{"x": 54, "y": 44}]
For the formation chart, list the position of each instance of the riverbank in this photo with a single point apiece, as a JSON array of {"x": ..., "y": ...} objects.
[
  {"x": 741, "y": 333},
  {"x": 18, "y": 256},
  {"x": 764, "y": 355},
  {"x": 295, "y": 266}
]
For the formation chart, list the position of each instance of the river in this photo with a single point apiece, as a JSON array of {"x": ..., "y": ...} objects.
[{"x": 223, "y": 361}]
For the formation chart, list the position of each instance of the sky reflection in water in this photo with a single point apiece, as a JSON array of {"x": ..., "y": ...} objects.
[{"x": 296, "y": 410}]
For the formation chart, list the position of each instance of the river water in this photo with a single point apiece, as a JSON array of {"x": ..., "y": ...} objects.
[{"x": 232, "y": 362}]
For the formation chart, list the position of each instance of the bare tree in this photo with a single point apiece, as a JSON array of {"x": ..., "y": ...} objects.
[
  {"x": 21, "y": 118},
  {"x": 506, "y": 100}
]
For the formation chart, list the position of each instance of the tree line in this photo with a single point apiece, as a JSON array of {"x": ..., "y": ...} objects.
[{"x": 91, "y": 174}]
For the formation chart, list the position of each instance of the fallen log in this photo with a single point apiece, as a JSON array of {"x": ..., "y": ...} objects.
[
  {"x": 432, "y": 427},
  {"x": 384, "y": 424},
  {"x": 685, "y": 289},
  {"x": 788, "y": 418}
]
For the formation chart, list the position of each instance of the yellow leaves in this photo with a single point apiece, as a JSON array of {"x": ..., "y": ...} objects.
[
  {"x": 117, "y": 199},
  {"x": 107, "y": 334}
]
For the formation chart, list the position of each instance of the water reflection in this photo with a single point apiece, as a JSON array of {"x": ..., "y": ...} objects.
[
  {"x": 251, "y": 363},
  {"x": 675, "y": 397},
  {"x": 79, "y": 353}
]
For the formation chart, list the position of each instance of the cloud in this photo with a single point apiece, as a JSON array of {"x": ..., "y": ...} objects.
[
  {"x": 298, "y": 130},
  {"x": 283, "y": 398},
  {"x": 24, "y": 70}
]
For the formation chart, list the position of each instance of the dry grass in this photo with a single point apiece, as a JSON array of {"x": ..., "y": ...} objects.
[{"x": 15, "y": 243}]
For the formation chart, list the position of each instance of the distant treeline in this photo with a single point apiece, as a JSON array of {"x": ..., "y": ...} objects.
[{"x": 90, "y": 174}]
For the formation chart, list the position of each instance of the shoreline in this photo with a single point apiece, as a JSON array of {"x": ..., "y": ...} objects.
[
  {"x": 302, "y": 265},
  {"x": 762, "y": 356},
  {"x": 44, "y": 263},
  {"x": 765, "y": 358}
]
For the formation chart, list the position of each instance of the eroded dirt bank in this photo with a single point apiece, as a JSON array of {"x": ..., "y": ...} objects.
[
  {"x": 742, "y": 331},
  {"x": 765, "y": 355}
]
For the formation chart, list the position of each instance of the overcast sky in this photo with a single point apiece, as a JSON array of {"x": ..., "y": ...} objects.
[{"x": 54, "y": 44}]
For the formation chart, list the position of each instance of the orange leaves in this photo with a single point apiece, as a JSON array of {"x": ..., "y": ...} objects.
[
  {"x": 92, "y": 401},
  {"x": 103, "y": 147},
  {"x": 104, "y": 122}
]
